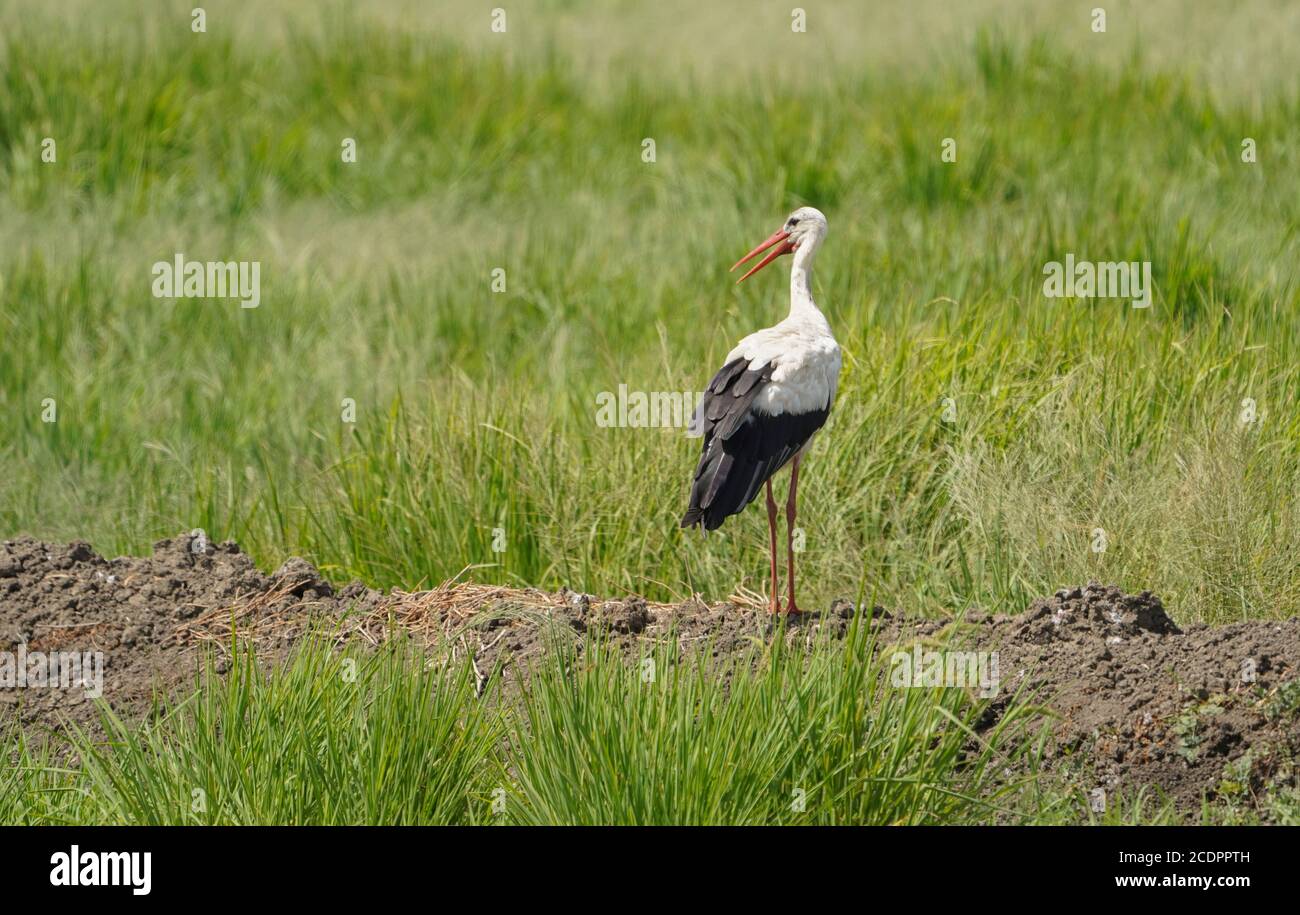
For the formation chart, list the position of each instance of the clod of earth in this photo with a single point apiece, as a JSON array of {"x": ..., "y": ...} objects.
[{"x": 1195, "y": 712}]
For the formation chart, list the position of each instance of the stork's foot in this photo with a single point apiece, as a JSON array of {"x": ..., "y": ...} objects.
[
  {"x": 791, "y": 609},
  {"x": 774, "y": 607}
]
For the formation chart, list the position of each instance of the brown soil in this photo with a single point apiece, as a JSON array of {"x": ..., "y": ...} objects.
[{"x": 1195, "y": 713}]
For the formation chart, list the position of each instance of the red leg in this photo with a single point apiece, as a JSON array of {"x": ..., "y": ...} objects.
[
  {"x": 791, "y": 607},
  {"x": 773, "y": 605}
]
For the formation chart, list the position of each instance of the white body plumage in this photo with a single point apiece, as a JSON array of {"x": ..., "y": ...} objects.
[{"x": 807, "y": 362}]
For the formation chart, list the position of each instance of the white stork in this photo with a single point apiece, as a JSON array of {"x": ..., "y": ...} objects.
[{"x": 765, "y": 404}]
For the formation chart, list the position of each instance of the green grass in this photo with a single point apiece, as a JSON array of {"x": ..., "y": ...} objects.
[
  {"x": 397, "y": 737},
  {"x": 329, "y": 738},
  {"x": 787, "y": 740},
  {"x": 475, "y": 409}
]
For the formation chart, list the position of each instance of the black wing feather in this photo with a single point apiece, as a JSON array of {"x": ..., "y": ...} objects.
[{"x": 742, "y": 447}]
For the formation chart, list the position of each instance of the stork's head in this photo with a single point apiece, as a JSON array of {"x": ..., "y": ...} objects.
[{"x": 803, "y": 231}]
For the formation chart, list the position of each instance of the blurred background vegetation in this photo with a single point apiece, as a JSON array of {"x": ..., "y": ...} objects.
[{"x": 522, "y": 150}]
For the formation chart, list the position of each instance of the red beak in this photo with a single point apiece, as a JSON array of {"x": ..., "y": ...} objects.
[{"x": 782, "y": 247}]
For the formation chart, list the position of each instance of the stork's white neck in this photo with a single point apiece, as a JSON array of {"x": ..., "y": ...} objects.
[{"x": 802, "y": 306}]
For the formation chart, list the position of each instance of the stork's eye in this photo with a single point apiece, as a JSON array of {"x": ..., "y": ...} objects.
[{"x": 793, "y": 222}]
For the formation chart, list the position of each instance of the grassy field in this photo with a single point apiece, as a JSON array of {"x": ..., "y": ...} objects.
[
  {"x": 396, "y": 737},
  {"x": 475, "y": 409},
  {"x": 983, "y": 432}
]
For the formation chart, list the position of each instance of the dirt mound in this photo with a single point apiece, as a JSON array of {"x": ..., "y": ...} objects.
[
  {"x": 1209, "y": 713},
  {"x": 149, "y": 617},
  {"x": 1093, "y": 612},
  {"x": 66, "y": 598},
  {"x": 1134, "y": 700}
]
